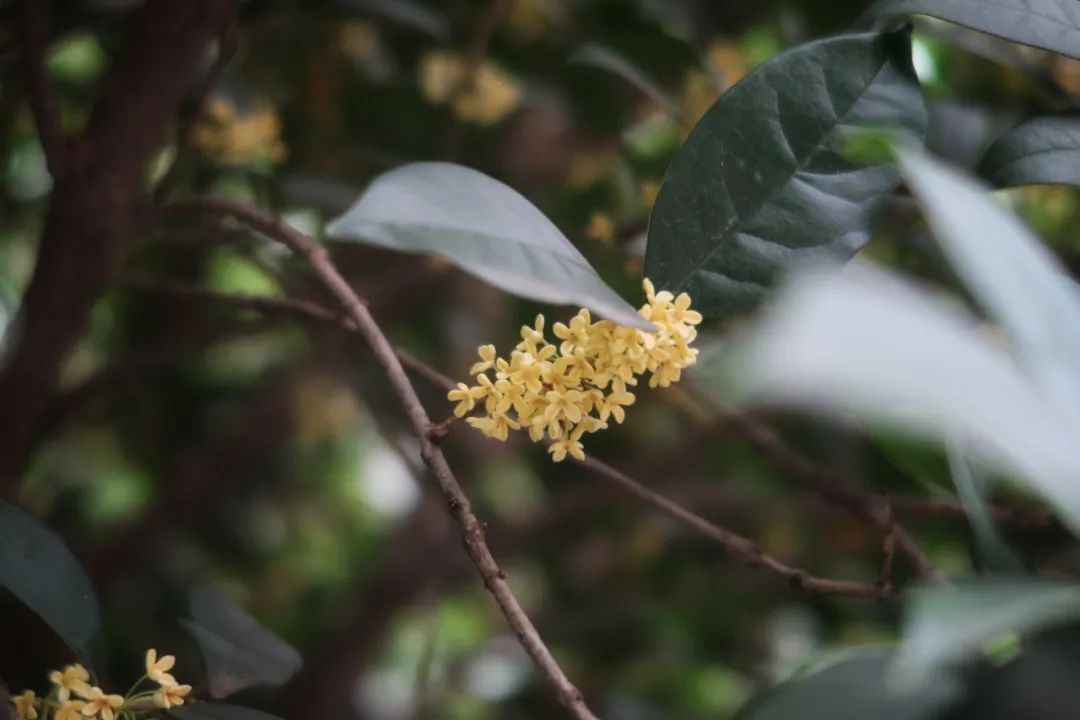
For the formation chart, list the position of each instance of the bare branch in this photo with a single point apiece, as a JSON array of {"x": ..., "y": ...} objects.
[
  {"x": 744, "y": 548},
  {"x": 460, "y": 507}
]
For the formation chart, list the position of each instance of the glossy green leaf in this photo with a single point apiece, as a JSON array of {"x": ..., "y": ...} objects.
[
  {"x": 763, "y": 183},
  {"x": 1040, "y": 151},
  {"x": 947, "y": 625},
  {"x": 852, "y": 686},
  {"x": 39, "y": 570},
  {"x": 1050, "y": 24},
  {"x": 484, "y": 227},
  {"x": 218, "y": 711},
  {"x": 239, "y": 652}
]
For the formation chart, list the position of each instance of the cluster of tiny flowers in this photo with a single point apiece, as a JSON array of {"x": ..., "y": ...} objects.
[
  {"x": 73, "y": 697},
  {"x": 563, "y": 391}
]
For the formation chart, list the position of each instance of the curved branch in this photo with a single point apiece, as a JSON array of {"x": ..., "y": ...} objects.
[{"x": 472, "y": 529}]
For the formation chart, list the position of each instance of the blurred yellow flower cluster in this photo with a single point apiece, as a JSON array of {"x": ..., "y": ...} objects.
[
  {"x": 562, "y": 392},
  {"x": 73, "y": 697},
  {"x": 230, "y": 138},
  {"x": 491, "y": 97}
]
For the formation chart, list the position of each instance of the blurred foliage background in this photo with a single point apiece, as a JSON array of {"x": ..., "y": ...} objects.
[{"x": 197, "y": 443}]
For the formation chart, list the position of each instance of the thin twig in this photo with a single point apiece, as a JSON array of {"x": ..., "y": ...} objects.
[
  {"x": 824, "y": 482},
  {"x": 39, "y": 88},
  {"x": 742, "y": 547},
  {"x": 888, "y": 550},
  {"x": 478, "y": 48},
  {"x": 186, "y": 124},
  {"x": 460, "y": 507}
]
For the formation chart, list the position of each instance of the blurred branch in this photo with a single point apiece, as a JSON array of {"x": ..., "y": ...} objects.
[
  {"x": 744, "y": 548},
  {"x": 227, "y": 42},
  {"x": 478, "y": 47},
  {"x": 460, "y": 507},
  {"x": 95, "y": 206},
  {"x": 44, "y": 104},
  {"x": 824, "y": 482}
]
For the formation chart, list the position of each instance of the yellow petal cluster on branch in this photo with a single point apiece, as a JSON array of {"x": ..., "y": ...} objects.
[
  {"x": 562, "y": 392},
  {"x": 73, "y": 697}
]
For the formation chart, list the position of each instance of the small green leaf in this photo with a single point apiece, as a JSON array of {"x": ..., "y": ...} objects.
[
  {"x": 851, "y": 687},
  {"x": 1040, "y": 151},
  {"x": 763, "y": 182},
  {"x": 239, "y": 652},
  {"x": 217, "y": 711},
  {"x": 41, "y": 572},
  {"x": 484, "y": 227},
  {"x": 1050, "y": 24},
  {"x": 946, "y": 626}
]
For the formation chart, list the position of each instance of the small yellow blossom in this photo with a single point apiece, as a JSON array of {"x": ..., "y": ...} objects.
[
  {"x": 562, "y": 392},
  {"x": 226, "y": 136},
  {"x": 26, "y": 705},
  {"x": 649, "y": 191},
  {"x": 157, "y": 669},
  {"x": 491, "y": 96},
  {"x": 70, "y": 710},
  {"x": 101, "y": 704},
  {"x": 601, "y": 228},
  {"x": 73, "y": 679},
  {"x": 171, "y": 696}
]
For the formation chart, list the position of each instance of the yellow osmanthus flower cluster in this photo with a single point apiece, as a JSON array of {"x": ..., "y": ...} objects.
[
  {"x": 228, "y": 137},
  {"x": 491, "y": 96},
  {"x": 563, "y": 391},
  {"x": 73, "y": 697}
]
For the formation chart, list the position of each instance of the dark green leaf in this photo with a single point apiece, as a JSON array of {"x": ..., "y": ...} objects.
[
  {"x": 1040, "y": 151},
  {"x": 41, "y": 572},
  {"x": 239, "y": 652},
  {"x": 1050, "y": 24},
  {"x": 763, "y": 182},
  {"x": 484, "y": 227},
  {"x": 853, "y": 687},
  {"x": 217, "y": 711}
]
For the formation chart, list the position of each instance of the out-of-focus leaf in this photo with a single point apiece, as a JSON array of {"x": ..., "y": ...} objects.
[
  {"x": 947, "y": 625},
  {"x": 1040, "y": 151},
  {"x": 993, "y": 552},
  {"x": 484, "y": 227},
  {"x": 1009, "y": 271},
  {"x": 218, "y": 711},
  {"x": 607, "y": 59},
  {"x": 239, "y": 652},
  {"x": 850, "y": 687},
  {"x": 865, "y": 343},
  {"x": 410, "y": 13},
  {"x": 1050, "y": 24},
  {"x": 763, "y": 184},
  {"x": 39, "y": 570}
]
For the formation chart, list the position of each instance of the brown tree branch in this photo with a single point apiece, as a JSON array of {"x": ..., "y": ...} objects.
[
  {"x": 40, "y": 92},
  {"x": 94, "y": 209},
  {"x": 497, "y": 10},
  {"x": 826, "y": 483},
  {"x": 744, "y": 548},
  {"x": 460, "y": 507}
]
